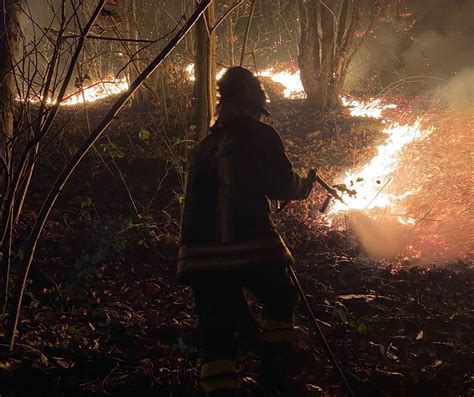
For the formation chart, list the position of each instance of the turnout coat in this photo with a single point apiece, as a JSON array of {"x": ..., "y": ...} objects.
[{"x": 231, "y": 176}]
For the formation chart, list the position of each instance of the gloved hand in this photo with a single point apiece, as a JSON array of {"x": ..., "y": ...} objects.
[{"x": 312, "y": 175}]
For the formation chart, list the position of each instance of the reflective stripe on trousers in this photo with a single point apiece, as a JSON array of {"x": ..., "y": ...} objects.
[
  {"x": 277, "y": 331},
  {"x": 219, "y": 374}
]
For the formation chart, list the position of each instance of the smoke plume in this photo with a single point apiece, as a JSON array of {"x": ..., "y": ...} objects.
[{"x": 427, "y": 46}]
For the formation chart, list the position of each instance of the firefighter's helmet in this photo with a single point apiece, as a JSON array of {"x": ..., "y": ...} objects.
[{"x": 241, "y": 87}]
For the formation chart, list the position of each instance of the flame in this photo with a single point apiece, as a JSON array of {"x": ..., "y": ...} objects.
[
  {"x": 97, "y": 91},
  {"x": 190, "y": 72},
  {"x": 372, "y": 108},
  {"x": 290, "y": 80},
  {"x": 370, "y": 180},
  {"x": 92, "y": 93},
  {"x": 191, "y": 76},
  {"x": 220, "y": 73}
]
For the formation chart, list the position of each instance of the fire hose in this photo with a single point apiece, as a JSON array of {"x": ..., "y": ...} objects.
[
  {"x": 332, "y": 194},
  {"x": 325, "y": 343}
]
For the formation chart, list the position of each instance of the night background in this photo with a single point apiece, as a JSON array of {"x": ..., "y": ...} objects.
[{"x": 101, "y": 104}]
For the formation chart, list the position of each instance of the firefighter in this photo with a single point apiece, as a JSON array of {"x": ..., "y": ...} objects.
[{"x": 229, "y": 241}]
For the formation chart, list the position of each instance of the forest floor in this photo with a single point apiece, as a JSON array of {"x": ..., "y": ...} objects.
[{"x": 104, "y": 316}]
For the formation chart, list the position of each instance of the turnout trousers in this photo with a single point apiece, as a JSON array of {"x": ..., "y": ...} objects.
[{"x": 222, "y": 309}]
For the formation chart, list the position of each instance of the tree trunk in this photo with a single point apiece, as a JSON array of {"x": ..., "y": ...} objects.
[
  {"x": 319, "y": 58},
  {"x": 309, "y": 48},
  {"x": 330, "y": 98},
  {"x": 9, "y": 47},
  {"x": 205, "y": 72}
]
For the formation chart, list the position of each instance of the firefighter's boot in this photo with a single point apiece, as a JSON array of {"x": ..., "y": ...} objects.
[
  {"x": 275, "y": 369},
  {"x": 278, "y": 337}
]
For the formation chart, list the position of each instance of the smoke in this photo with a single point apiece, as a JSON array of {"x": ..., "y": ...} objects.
[
  {"x": 459, "y": 91},
  {"x": 377, "y": 239},
  {"x": 377, "y": 62},
  {"x": 426, "y": 241},
  {"x": 429, "y": 44}
]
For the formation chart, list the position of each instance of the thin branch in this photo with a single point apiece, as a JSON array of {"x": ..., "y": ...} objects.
[
  {"x": 106, "y": 38},
  {"x": 226, "y": 14},
  {"x": 247, "y": 33}
]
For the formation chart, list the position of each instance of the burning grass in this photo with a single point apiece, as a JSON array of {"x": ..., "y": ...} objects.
[
  {"x": 90, "y": 93},
  {"x": 408, "y": 185},
  {"x": 416, "y": 187}
]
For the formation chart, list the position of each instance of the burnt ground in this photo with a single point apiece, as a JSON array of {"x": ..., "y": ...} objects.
[{"x": 103, "y": 315}]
